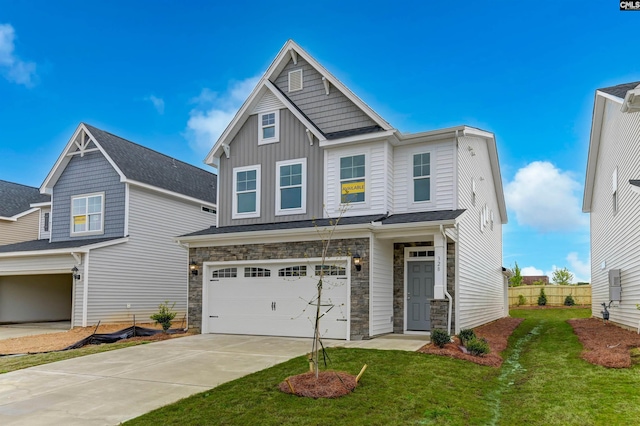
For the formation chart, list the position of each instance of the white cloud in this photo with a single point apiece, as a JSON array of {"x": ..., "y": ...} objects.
[
  {"x": 581, "y": 270},
  {"x": 546, "y": 198},
  {"x": 158, "y": 103},
  {"x": 530, "y": 270},
  {"x": 12, "y": 67},
  {"x": 213, "y": 112}
]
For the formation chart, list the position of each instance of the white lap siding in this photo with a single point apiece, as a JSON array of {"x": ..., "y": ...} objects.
[{"x": 381, "y": 287}]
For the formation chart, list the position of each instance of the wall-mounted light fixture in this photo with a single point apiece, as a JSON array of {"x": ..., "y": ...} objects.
[
  {"x": 74, "y": 273},
  {"x": 357, "y": 261},
  {"x": 193, "y": 266}
]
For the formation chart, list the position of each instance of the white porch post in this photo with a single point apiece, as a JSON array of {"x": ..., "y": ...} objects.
[{"x": 440, "y": 261}]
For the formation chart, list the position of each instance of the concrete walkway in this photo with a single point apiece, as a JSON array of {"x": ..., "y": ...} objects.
[{"x": 112, "y": 387}]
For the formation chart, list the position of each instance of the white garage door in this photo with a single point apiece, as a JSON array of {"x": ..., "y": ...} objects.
[{"x": 276, "y": 299}]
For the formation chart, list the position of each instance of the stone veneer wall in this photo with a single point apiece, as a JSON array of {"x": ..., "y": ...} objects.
[
  {"x": 289, "y": 250},
  {"x": 439, "y": 308}
]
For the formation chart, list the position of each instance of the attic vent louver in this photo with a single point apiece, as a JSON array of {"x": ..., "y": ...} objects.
[{"x": 295, "y": 80}]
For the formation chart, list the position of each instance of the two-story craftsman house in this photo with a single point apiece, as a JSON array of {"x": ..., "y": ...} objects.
[
  {"x": 418, "y": 244},
  {"x": 107, "y": 252}
]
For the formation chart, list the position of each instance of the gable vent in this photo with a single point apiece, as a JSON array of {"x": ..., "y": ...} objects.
[{"x": 295, "y": 80}]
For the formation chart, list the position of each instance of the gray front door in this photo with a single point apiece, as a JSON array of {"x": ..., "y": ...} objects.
[{"x": 419, "y": 295}]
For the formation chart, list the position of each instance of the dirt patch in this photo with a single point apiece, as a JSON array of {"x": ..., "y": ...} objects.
[
  {"x": 58, "y": 341},
  {"x": 329, "y": 384},
  {"x": 606, "y": 345},
  {"x": 497, "y": 333}
]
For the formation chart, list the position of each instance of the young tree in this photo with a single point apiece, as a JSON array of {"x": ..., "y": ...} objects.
[
  {"x": 562, "y": 277},
  {"x": 516, "y": 278}
]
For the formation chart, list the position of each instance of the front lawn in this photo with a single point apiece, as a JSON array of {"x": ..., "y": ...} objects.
[{"x": 543, "y": 382}]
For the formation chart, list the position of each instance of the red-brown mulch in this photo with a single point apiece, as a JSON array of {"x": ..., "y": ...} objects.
[
  {"x": 329, "y": 384},
  {"x": 607, "y": 345},
  {"x": 496, "y": 333}
]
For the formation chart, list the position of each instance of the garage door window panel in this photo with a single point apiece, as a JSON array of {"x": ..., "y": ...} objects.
[
  {"x": 225, "y": 273},
  {"x": 331, "y": 270},
  {"x": 256, "y": 272},
  {"x": 293, "y": 271}
]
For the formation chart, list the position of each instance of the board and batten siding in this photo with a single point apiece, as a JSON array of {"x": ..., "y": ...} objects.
[
  {"x": 331, "y": 113},
  {"x": 245, "y": 151},
  {"x": 87, "y": 175},
  {"x": 150, "y": 268},
  {"x": 442, "y": 157},
  {"x": 615, "y": 237},
  {"x": 376, "y": 189},
  {"x": 381, "y": 286},
  {"x": 480, "y": 294},
  {"x": 25, "y": 228}
]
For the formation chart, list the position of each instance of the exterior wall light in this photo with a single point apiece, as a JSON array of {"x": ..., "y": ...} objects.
[
  {"x": 357, "y": 261},
  {"x": 74, "y": 273},
  {"x": 193, "y": 266}
]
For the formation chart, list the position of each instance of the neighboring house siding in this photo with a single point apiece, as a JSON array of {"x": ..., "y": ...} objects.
[
  {"x": 150, "y": 268},
  {"x": 381, "y": 286},
  {"x": 615, "y": 238},
  {"x": 23, "y": 229},
  {"x": 45, "y": 235},
  {"x": 442, "y": 177},
  {"x": 331, "y": 113},
  {"x": 376, "y": 160},
  {"x": 246, "y": 152},
  {"x": 480, "y": 295},
  {"x": 85, "y": 175}
]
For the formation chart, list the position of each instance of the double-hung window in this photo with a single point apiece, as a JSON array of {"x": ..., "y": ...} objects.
[
  {"x": 352, "y": 179},
  {"x": 246, "y": 192},
  {"x": 87, "y": 214},
  {"x": 291, "y": 187},
  {"x": 268, "y": 127},
  {"x": 421, "y": 177}
]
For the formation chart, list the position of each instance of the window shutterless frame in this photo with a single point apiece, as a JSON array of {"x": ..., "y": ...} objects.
[
  {"x": 268, "y": 127},
  {"x": 246, "y": 192},
  {"x": 87, "y": 214},
  {"x": 291, "y": 187}
]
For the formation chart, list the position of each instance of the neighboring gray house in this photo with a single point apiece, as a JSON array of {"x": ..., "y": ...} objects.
[
  {"x": 24, "y": 213},
  {"x": 612, "y": 199},
  {"x": 116, "y": 207},
  {"x": 419, "y": 244}
]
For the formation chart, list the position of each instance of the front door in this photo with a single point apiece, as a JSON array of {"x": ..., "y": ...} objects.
[{"x": 420, "y": 277}]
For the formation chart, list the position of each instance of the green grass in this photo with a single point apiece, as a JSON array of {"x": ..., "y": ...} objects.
[{"x": 12, "y": 363}]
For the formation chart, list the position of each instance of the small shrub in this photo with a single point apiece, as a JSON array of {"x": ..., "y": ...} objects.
[
  {"x": 542, "y": 299},
  {"x": 568, "y": 301},
  {"x": 478, "y": 347},
  {"x": 466, "y": 335},
  {"x": 522, "y": 300},
  {"x": 165, "y": 315},
  {"x": 440, "y": 338}
]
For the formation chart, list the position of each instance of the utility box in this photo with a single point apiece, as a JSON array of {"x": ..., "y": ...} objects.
[{"x": 615, "y": 289}]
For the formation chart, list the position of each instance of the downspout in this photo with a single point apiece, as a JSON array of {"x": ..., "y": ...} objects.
[{"x": 446, "y": 292}]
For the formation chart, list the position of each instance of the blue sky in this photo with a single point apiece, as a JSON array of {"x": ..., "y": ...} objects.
[{"x": 169, "y": 75}]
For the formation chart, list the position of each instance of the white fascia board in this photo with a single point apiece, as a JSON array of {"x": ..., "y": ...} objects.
[
  {"x": 610, "y": 97},
  {"x": 367, "y": 137},
  {"x": 429, "y": 136},
  {"x": 594, "y": 147},
  {"x": 170, "y": 193},
  {"x": 19, "y": 215},
  {"x": 69, "y": 251},
  {"x": 411, "y": 229},
  {"x": 282, "y": 59},
  {"x": 495, "y": 171},
  {"x": 38, "y": 205}
]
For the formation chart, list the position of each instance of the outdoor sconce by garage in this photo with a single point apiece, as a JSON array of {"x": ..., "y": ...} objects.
[
  {"x": 75, "y": 274},
  {"x": 193, "y": 266},
  {"x": 357, "y": 261}
]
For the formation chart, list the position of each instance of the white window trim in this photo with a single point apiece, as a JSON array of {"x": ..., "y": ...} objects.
[
  {"x": 367, "y": 194},
  {"x": 303, "y": 205},
  {"x": 82, "y": 233},
  {"x": 276, "y": 137},
  {"x": 412, "y": 179},
  {"x": 614, "y": 190},
  {"x": 234, "y": 201}
]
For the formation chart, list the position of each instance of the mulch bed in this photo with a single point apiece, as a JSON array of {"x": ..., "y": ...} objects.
[
  {"x": 496, "y": 333},
  {"x": 329, "y": 384},
  {"x": 606, "y": 345}
]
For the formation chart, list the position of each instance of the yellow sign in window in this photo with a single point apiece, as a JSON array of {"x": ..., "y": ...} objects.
[
  {"x": 352, "y": 187},
  {"x": 79, "y": 220}
]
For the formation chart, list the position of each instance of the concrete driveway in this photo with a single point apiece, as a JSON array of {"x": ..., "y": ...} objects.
[{"x": 111, "y": 387}]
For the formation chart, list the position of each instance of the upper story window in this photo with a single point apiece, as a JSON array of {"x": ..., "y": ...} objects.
[
  {"x": 352, "y": 179},
  {"x": 291, "y": 186},
  {"x": 87, "y": 214},
  {"x": 268, "y": 127},
  {"x": 422, "y": 177},
  {"x": 246, "y": 192},
  {"x": 46, "y": 222}
]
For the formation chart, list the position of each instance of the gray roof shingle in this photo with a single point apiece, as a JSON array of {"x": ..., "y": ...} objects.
[
  {"x": 620, "y": 90},
  {"x": 153, "y": 168},
  {"x": 16, "y": 198},
  {"x": 40, "y": 245}
]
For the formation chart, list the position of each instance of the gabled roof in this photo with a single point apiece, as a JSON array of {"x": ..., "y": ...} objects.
[
  {"x": 289, "y": 49},
  {"x": 16, "y": 199},
  {"x": 137, "y": 165},
  {"x": 620, "y": 90}
]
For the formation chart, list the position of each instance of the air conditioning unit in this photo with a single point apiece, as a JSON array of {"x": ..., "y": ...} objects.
[{"x": 615, "y": 289}]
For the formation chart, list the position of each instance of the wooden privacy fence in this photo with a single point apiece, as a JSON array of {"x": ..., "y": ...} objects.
[{"x": 555, "y": 294}]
